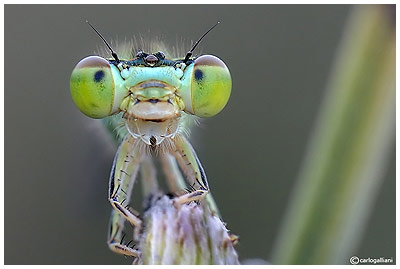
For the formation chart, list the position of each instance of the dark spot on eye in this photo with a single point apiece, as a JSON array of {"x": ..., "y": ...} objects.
[
  {"x": 198, "y": 74},
  {"x": 98, "y": 76}
]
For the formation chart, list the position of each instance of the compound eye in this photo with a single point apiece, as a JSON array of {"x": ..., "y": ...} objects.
[
  {"x": 92, "y": 87},
  {"x": 210, "y": 86}
]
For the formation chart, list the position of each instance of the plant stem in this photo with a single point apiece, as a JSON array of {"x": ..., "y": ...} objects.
[{"x": 348, "y": 152}]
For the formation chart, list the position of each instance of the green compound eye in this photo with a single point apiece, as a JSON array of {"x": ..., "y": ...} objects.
[
  {"x": 93, "y": 87},
  {"x": 210, "y": 86}
]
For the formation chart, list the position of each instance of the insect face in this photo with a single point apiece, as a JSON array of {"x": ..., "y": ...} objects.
[{"x": 151, "y": 91}]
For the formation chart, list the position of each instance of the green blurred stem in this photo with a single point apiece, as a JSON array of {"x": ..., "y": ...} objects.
[{"x": 347, "y": 156}]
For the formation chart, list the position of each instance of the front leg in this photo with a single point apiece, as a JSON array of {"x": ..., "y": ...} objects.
[
  {"x": 176, "y": 181},
  {"x": 122, "y": 179},
  {"x": 191, "y": 167}
]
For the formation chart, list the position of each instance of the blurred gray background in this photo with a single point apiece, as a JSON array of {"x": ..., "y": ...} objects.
[{"x": 57, "y": 160}]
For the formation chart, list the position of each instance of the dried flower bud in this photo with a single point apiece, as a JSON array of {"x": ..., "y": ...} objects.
[{"x": 188, "y": 235}]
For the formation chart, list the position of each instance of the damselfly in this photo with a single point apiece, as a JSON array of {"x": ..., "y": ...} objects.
[{"x": 154, "y": 95}]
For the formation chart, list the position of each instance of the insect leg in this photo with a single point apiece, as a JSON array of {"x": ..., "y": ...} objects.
[
  {"x": 148, "y": 175},
  {"x": 191, "y": 167},
  {"x": 115, "y": 236},
  {"x": 176, "y": 181},
  {"x": 122, "y": 179}
]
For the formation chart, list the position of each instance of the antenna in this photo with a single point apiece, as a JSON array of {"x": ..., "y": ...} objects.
[
  {"x": 190, "y": 52},
  {"x": 113, "y": 53}
]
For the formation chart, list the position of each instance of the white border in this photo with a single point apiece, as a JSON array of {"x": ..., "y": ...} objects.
[{"x": 183, "y": 2}]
